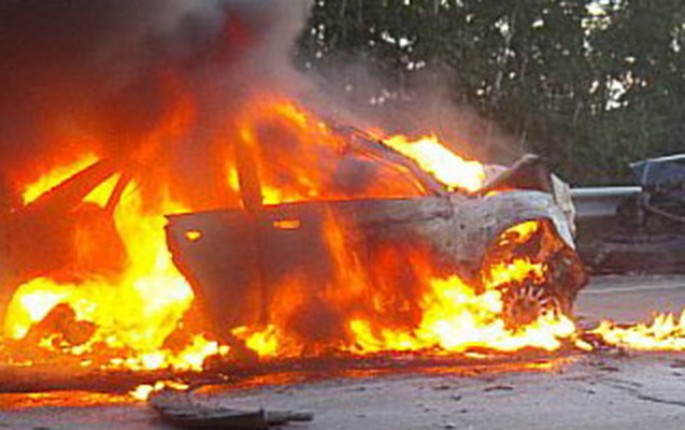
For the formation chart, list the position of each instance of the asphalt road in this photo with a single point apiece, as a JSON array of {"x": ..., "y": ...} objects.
[
  {"x": 631, "y": 298},
  {"x": 585, "y": 391}
]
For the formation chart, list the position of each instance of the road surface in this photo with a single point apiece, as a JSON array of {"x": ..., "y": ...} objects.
[{"x": 585, "y": 391}]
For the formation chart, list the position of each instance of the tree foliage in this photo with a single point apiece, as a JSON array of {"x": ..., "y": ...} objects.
[{"x": 589, "y": 84}]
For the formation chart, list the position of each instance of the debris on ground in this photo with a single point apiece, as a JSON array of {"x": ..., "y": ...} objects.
[
  {"x": 182, "y": 409},
  {"x": 498, "y": 388}
]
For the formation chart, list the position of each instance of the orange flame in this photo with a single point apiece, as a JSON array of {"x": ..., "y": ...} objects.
[
  {"x": 264, "y": 342},
  {"x": 135, "y": 310},
  {"x": 446, "y": 166},
  {"x": 456, "y": 318},
  {"x": 126, "y": 318},
  {"x": 144, "y": 391},
  {"x": 454, "y": 315},
  {"x": 307, "y": 158},
  {"x": 665, "y": 333},
  {"x": 55, "y": 177}
]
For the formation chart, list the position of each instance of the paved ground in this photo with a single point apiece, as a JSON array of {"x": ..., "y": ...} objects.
[
  {"x": 632, "y": 298},
  {"x": 593, "y": 391}
]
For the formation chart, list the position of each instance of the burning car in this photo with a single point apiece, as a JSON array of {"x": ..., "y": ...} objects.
[
  {"x": 486, "y": 258},
  {"x": 165, "y": 199},
  {"x": 235, "y": 259}
]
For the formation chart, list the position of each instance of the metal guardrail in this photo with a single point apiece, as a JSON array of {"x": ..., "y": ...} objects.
[{"x": 597, "y": 202}]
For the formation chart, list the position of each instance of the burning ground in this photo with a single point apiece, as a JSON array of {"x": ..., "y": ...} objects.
[{"x": 602, "y": 390}]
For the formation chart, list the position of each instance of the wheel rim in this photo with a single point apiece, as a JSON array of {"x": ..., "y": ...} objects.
[{"x": 526, "y": 303}]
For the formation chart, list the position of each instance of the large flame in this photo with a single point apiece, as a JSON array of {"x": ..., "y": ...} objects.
[
  {"x": 456, "y": 319},
  {"x": 125, "y": 317},
  {"x": 134, "y": 313},
  {"x": 298, "y": 157},
  {"x": 135, "y": 310},
  {"x": 456, "y": 316},
  {"x": 450, "y": 314}
]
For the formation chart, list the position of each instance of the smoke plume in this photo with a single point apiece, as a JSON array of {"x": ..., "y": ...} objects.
[{"x": 83, "y": 75}]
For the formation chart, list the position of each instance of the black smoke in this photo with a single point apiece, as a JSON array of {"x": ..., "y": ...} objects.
[{"x": 101, "y": 69}]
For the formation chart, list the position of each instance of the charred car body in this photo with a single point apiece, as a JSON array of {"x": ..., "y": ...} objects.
[{"x": 235, "y": 256}]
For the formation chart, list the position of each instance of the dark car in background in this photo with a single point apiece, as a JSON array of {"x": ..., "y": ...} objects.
[{"x": 638, "y": 228}]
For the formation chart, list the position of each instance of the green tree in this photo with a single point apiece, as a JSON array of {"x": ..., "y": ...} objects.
[{"x": 591, "y": 85}]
